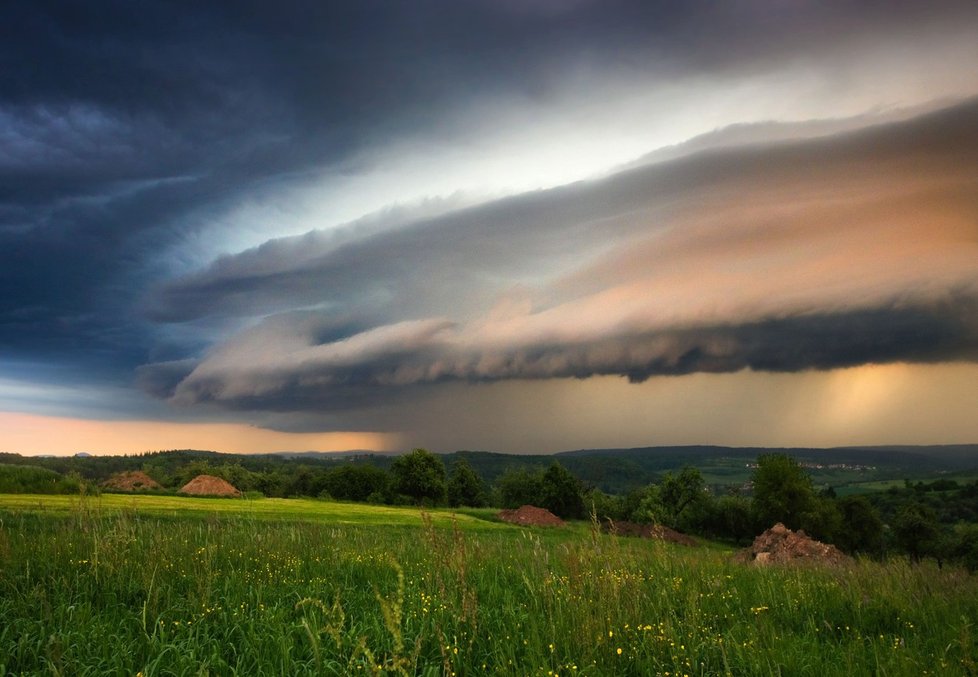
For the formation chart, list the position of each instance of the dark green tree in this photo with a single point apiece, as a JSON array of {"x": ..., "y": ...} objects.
[
  {"x": 861, "y": 530},
  {"x": 680, "y": 497},
  {"x": 562, "y": 493},
  {"x": 783, "y": 492},
  {"x": 355, "y": 482},
  {"x": 964, "y": 541},
  {"x": 301, "y": 482},
  {"x": 824, "y": 522},
  {"x": 916, "y": 530},
  {"x": 730, "y": 517},
  {"x": 605, "y": 506},
  {"x": 420, "y": 476},
  {"x": 519, "y": 486},
  {"x": 465, "y": 487},
  {"x": 241, "y": 478}
]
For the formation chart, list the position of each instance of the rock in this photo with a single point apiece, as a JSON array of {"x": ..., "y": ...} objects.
[
  {"x": 531, "y": 516},
  {"x": 781, "y": 545}
]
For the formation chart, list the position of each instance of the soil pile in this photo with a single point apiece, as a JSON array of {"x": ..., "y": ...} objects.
[
  {"x": 530, "y": 516},
  {"x": 134, "y": 480},
  {"x": 208, "y": 485},
  {"x": 781, "y": 545},
  {"x": 656, "y": 531}
]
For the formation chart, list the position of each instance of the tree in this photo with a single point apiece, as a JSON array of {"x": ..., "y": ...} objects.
[
  {"x": 355, "y": 482},
  {"x": 519, "y": 486},
  {"x": 561, "y": 493},
  {"x": 729, "y": 517},
  {"x": 916, "y": 530},
  {"x": 861, "y": 530},
  {"x": 679, "y": 496},
  {"x": 606, "y": 506},
  {"x": 420, "y": 476},
  {"x": 824, "y": 521},
  {"x": 783, "y": 492},
  {"x": 465, "y": 487},
  {"x": 965, "y": 545},
  {"x": 301, "y": 482}
]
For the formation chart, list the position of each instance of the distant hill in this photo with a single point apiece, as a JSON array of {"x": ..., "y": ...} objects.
[
  {"x": 611, "y": 470},
  {"x": 833, "y": 466}
]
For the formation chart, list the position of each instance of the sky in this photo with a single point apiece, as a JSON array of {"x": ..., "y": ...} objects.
[{"x": 514, "y": 225}]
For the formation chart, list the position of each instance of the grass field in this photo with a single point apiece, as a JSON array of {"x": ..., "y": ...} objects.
[
  {"x": 175, "y": 586},
  {"x": 263, "y": 509},
  {"x": 882, "y": 485}
]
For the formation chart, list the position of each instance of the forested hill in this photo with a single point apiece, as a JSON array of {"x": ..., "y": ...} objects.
[
  {"x": 657, "y": 459},
  {"x": 946, "y": 455},
  {"x": 611, "y": 470},
  {"x": 618, "y": 470}
]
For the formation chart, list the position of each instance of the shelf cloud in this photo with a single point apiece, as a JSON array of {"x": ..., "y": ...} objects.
[
  {"x": 356, "y": 217},
  {"x": 845, "y": 250}
]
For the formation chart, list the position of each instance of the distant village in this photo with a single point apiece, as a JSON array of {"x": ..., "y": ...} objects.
[{"x": 825, "y": 466}]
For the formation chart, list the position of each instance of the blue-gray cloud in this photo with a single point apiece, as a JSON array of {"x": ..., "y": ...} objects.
[
  {"x": 834, "y": 252},
  {"x": 125, "y": 131}
]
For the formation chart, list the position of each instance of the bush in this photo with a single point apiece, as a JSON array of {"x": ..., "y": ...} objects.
[{"x": 30, "y": 479}]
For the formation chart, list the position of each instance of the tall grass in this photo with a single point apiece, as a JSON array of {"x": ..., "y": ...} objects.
[{"x": 89, "y": 592}]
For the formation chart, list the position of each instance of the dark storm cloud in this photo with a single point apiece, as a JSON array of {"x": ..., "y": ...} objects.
[
  {"x": 847, "y": 250},
  {"x": 416, "y": 356},
  {"x": 120, "y": 123},
  {"x": 447, "y": 263},
  {"x": 126, "y": 126}
]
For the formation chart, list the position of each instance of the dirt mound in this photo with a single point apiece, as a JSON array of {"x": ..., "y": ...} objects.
[
  {"x": 781, "y": 545},
  {"x": 208, "y": 485},
  {"x": 134, "y": 480},
  {"x": 530, "y": 516},
  {"x": 656, "y": 531}
]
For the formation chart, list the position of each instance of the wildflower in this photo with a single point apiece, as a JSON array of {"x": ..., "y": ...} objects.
[{"x": 619, "y": 651}]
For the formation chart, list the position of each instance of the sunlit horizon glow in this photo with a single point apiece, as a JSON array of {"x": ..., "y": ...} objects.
[
  {"x": 870, "y": 405},
  {"x": 33, "y": 435}
]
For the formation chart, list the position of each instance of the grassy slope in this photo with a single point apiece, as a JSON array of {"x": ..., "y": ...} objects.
[
  {"x": 288, "y": 509},
  {"x": 172, "y": 585}
]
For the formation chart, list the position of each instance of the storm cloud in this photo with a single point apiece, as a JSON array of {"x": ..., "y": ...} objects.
[
  {"x": 324, "y": 215},
  {"x": 840, "y": 251}
]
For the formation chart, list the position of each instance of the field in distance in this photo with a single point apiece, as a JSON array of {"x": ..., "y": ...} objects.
[
  {"x": 162, "y": 585},
  {"x": 266, "y": 509}
]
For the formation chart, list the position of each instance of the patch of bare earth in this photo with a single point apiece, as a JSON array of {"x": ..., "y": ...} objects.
[
  {"x": 531, "y": 516},
  {"x": 654, "y": 531},
  {"x": 781, "y": 545},
  {"x": 208, "y": 485},
  {"x": 134, "y": 480}
]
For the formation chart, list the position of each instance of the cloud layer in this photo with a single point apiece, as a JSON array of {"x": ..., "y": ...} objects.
[
  {"x": 845, "y": 250},
  {"x": 342, "y": 216}
]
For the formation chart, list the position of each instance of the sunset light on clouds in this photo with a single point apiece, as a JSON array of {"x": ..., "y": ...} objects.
[{"x": 522, "y": 227}]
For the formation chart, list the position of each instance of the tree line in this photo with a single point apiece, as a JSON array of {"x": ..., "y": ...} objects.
[{"x": 938, "y": 519}]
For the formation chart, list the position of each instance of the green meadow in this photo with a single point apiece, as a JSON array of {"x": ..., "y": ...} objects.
[
  {"x": 262, "y": 509},
  {"x": 166, "y": 585}
]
